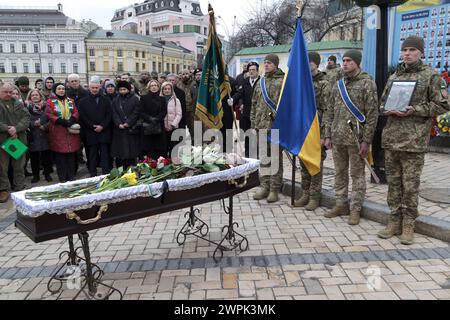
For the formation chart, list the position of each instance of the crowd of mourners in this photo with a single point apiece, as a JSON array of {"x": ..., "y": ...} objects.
[{"x": 104, "y": 123}]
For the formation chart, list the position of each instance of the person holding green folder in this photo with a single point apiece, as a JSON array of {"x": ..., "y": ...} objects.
[{"x": 14, "y": 120}]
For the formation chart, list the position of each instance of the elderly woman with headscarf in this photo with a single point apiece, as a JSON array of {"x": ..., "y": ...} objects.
[
  {"x": 64, "y": 136},
  {"x": 125, "y": 147},
  {"x": 174, "y": 114}
]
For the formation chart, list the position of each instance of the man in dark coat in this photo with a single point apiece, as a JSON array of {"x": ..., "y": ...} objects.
[
  {"x": 95, "y": 119},
  {"x": 245, "y": 93},
  {"x": 75, "y": 91}
]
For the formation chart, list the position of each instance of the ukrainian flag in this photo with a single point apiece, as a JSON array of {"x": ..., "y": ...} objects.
[{"x": 297, "y": 119}]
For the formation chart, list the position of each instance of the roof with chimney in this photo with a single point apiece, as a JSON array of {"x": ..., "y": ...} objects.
[{"x": 124, "y": 35}]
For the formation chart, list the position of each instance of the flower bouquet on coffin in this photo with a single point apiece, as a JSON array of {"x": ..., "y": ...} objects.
[{"x": 192, "y": 161}]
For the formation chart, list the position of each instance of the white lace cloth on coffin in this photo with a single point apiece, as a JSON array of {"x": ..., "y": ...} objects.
[{"x": 37, "y": 208}]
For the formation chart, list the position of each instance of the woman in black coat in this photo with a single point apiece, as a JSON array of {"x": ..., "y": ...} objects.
[
  {"x": 152, "y": 111},
  {"x": 125, "y": 147}
]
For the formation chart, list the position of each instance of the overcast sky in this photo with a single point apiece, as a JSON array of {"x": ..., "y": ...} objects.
[{"x": 102, "y": 11}]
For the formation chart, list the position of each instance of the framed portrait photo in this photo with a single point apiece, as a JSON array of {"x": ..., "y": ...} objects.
[{"x": 400, "y": 95}]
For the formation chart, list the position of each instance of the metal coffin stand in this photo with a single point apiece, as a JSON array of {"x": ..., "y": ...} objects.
[{"x": 51, "y": 226}]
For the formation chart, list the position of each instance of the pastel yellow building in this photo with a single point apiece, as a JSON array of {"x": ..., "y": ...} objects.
[{"x": 109, "y": 53}]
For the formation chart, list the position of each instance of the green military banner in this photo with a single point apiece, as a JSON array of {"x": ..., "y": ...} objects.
[{"x": 215, "y": 83}]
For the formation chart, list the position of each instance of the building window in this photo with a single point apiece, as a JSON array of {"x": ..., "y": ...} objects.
[
  {"x": 162, "y": 4},
  {"x": 75, "y": 68},
  {"x": 49, "y": 48},
  {"x": 62, "y": 49},
  {"x": 1, "y": 48},
  {"x": 190, "y": 28},
  {"x": 120, "y": 66},
  {"x": 173, "y": 67},
  {"x": 178, "y": 68},
  {"x": 176, "y": 29},
  {"x": 167, "y": 67},
  {"x": 2, "y": 67},
  {"x": 92, "y": 66},
  {"x": 171, "y": 4},
  {"x": 50, "y": 68},
  {"x": 153, "y": 66},
  {"x": 119, "y": 53},
  {"x": 37, "y": 67},
  {"x": 147, "y": 28},
  {"x": 91, "y": 52},
  {"x": 25, "y": 68},
  {"x": 24, "y": 48},
  {"x": 205, "y": 31},
  {"x": 342, "y": 34},
  {"x": 36, "y": 48},
  {"x": 74, "y": 48},
  {"x": 159, "y": 66},
  {"x": 13, "y": 67},
  {"x": 143, "y": 54},
  {"x": 137, "y": 54},
  {"x": 63, "y": 68},
  {"x": 143, "y": 67},
  {"x": 137, "y": 66},
  {"x": 12, "y": 48}
]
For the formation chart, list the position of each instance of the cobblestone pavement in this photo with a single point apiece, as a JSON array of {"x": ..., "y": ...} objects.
[
  {"x": 435, "y": 175},
  {"x": 293, "y": 254}
]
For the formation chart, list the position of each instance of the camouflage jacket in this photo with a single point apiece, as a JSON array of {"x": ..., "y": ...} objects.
[
  {"x": 322, "y": 89},
  {"x": 334, "y": 74},
  {"x": 412, "y": 133},
  {"x": 189, "y": 89},
  {"x": 261, "y": 114},
  {"x": 363, "y": 92}
]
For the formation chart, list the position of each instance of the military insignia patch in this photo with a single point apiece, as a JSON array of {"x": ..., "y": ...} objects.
[{"x": 443, "y": 84}]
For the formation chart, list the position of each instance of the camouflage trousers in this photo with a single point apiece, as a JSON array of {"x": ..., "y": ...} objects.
[
  {"x": 343, "y": 156},
  {"x": 271, "y": 169},
  {"x": 403, "y": 170},
  {"x": 18, "y": 172},
  {"x": 313, "y": 184}
]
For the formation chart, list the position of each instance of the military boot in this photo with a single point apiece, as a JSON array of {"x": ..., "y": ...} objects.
[
  {"x": 354, "y": 217},
  {"x": 313, "y": 204},
  {"x": 393, "y": 228},
  {"x": 303, "y": 201},
  {"x": 338, "y": 210},
  {"x": 261, "y": 194},
  {"x": 273, "y": 197},
  {"x": 407, "y": 237},
  {"x": 4, "y": 196}
]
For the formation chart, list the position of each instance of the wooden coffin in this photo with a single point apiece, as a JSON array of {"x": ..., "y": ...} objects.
[{"x": 53, "y": 226}]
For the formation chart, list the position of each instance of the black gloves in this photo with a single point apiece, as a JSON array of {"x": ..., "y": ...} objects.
[
  {"x": 63, "y": 122},
  {"x": 72, "y": 121}
]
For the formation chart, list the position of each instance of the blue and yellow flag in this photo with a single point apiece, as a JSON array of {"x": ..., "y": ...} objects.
[
  {"x": 297, "y": 119},
  {"x": 215, "y": 83}
]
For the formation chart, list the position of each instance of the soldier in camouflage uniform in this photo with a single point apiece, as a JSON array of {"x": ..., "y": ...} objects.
[
  {"x": 312, "y": 186},
  {"x": 406, "y": 137},
  {"x": 362, "y": 91},
  {"x": 261, "y": 118},
  {"x": 334, "y": 72},
  {"x": 189, "y": 86}
]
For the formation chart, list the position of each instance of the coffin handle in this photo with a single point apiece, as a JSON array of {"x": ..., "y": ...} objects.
[
  {"x": 73, "y": 216},
  {"x": 239, "y": 185}
]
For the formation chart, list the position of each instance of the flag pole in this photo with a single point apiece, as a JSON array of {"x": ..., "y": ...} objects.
[
  {"x": 235, "y": 126},
  {"x": 300, "y": 4}
]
